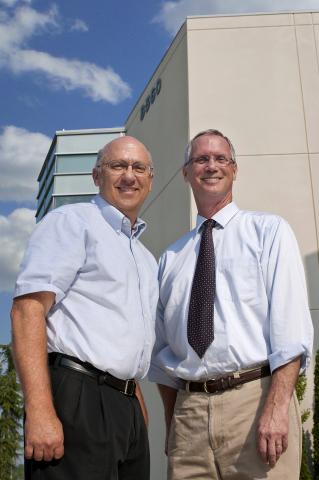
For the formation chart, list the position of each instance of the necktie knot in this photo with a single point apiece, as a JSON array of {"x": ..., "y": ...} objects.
[{"x": 209, "y": 223}]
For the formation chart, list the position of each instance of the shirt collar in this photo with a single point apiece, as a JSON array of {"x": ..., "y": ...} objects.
[
  {"x": 118, "y": 221},
  {"x": 222, "y": 217}
]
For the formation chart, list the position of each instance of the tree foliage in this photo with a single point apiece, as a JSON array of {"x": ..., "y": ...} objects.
[
  {"x": 11, "y": 413},
  {"x": 300, "y": 391},
  {"x": 315, "y": 430}
]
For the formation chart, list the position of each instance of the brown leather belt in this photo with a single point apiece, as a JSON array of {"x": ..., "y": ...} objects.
[
  {"x": 124, "y": 386},
  {"x": 228, "y": 381}
]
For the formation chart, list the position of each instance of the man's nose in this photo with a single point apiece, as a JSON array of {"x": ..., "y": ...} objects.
[
  {"x": 211, "y": 164},
  {"x": 128, "y": 174}
]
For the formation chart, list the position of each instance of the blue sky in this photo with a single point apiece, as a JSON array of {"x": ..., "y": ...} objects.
[{"x": 70, "y": 65}]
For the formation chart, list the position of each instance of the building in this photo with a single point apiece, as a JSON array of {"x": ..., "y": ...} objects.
[
  {"x": 65, "y": 176},
  {"x": 256, "y": 78}
]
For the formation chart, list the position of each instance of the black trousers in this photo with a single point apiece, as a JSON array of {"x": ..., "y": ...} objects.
[{"x": 105, "y": 437}]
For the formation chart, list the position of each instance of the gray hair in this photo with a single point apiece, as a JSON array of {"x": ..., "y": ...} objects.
[
  {"x": 99, "y": 157},
  {"x": 102, "y": 151},
  {"x": 188, "y": 151}
]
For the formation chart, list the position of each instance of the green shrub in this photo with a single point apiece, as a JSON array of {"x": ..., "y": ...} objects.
[{"x": 300, "y": 391}]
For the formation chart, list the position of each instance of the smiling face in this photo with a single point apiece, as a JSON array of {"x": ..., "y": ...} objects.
[
  {"x": 211, "y": 182},
  {"x": 126, "y": 191}
]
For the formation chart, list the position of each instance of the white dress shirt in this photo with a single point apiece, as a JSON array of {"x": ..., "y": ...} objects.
[
  {"x": 261, "y": 311},
  {"x": 105, "y": 282}
]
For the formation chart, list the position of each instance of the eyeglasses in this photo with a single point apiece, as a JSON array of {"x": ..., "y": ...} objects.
[
  {"x": 220, "y": 160},
  {"x": 119, "y": 167}
]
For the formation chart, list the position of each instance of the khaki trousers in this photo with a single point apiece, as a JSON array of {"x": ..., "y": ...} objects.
[{"x": 213, "y": 436}]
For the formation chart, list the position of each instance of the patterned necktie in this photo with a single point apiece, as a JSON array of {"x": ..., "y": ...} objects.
[{"x": 200, "y": 326}]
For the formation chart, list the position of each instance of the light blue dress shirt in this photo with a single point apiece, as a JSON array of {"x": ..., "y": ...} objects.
[
  {"x": 261, "y": 309},
  {"x": 105, "y": 282}
]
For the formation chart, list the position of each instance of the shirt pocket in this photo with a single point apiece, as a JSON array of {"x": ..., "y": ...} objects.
[{"x": 239, "y": 281}]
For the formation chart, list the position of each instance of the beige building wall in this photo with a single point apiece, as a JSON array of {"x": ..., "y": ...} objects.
[
  {"x": 256, "y": 78},
  {"x": 164, "y": 130}
]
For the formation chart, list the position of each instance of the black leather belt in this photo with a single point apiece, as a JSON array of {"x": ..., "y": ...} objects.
[
  {"x": 228, "y": 381},
  {"x": 124, "y": 386}
]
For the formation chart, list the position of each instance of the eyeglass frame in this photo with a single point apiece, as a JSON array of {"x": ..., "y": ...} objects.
[
  {"x": 194, "y": 160},
  {"x": 124, "y": 165}
]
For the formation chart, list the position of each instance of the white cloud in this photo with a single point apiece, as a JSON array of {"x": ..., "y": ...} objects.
[
  {"x": 26, "y": 22},
  {"x": 9, "y": 3},
  {"x": 79, "y": 25},
  {"x": 96, "y": 82},
  {"x": 21, "y": 156},
  {"x": 12, "y": 3},
  {"x": 15, "y": 230},
  {"x": 100, "y": 84},
  {"x": 173, "y": 13}
]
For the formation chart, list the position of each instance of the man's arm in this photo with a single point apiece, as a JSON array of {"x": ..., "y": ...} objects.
[
  {"x": 43, "y": 430},
  {"x": 273, "y": 425},
  {"x": 168, "y": 395},
  {"x": 139, "y": 395}
]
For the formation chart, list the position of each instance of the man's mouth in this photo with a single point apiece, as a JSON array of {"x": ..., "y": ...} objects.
[
  {"x": 127, "y": 189},
  {"x": 211, "y": 179}
]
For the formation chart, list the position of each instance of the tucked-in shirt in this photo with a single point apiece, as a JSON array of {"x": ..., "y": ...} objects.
[
  {"x": 261, "y": 310},
  {"x": 105, "y": 285}
]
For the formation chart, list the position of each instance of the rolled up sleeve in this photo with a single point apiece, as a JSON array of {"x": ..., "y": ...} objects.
[
  {"x": 291, "y": 329},
  {"x": 54, "y": 255}
]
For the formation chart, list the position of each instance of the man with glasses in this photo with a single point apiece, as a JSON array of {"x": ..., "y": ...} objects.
[
  {"x": 233, "y": 330},
  {"x": 83, "y": 328}
]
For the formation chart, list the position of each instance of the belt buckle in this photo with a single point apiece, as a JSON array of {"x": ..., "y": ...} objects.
[
  {"x": 187, "y": 386},
  {"x": 127, "y": 389},
  {"x": 205, "y": 388}
]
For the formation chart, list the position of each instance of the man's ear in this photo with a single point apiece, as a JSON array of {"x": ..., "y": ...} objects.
[
  {"x": 235, "y": 167},
  {"x": 151, "y": 184},
  {"x": 185, "y": 172},
  {"x": 95, "y": 176}
]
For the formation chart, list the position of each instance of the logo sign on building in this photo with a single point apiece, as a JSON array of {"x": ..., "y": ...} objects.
[{"x": 150, "y": 99}]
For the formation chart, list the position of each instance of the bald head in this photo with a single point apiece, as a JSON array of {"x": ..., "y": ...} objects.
[
  {"x": 126, "y": 143},
  {"x": 124, "y": 174}
]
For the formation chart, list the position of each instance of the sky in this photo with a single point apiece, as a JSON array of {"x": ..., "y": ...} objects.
[{"x": 74, "y": 65}]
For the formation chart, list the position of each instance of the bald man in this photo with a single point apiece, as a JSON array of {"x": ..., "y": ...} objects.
[{"x": 82, "y": 321}]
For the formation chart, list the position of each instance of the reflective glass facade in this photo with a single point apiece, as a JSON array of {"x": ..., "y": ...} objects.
[{"x": 65, "y": 176}]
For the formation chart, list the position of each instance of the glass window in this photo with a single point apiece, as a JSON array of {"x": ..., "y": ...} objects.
[
  {"x": 90, "y": 142},
  {"x": 46, "y": 177},
  {"x": 75, "y": 163},
  {"x": 65, "y": 200},
  {"x": 49, "y": 194},
  {"x": 40, "y": 213},
  {"x": 77, "y": 184},
  {"x": 41, "y": 194},
  {"x": 41, "y": 185},
  {"x": 50, "y": 171}
]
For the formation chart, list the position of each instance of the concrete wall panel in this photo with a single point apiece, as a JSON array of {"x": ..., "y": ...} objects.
[
  {"x": 239, "y": 21},
  {"x": 282, "y": 185},
  {"x": 314, "y": 162},
  {"x": 164, "y": 130},
  {"x": 246, "y": 81},
  {"x": 308, "y": 61}
]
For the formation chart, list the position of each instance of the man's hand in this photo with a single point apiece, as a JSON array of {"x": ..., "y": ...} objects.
[
  {"x": 139, "y": 396},
  {"x": 273, "y": 434},
  {"x": 168, "y": 395},
  {"x": 43, "y": 437},
  {"x": 273, "y": 425},
  {"x": 43, "y": 429}
]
